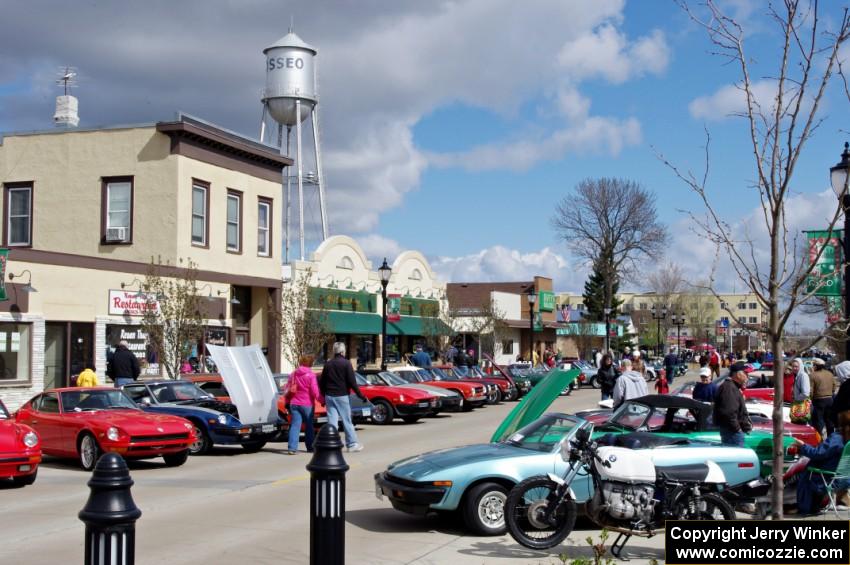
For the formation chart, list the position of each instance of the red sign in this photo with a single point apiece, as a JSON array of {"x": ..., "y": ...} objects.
[{"x": 393, "y": 307}]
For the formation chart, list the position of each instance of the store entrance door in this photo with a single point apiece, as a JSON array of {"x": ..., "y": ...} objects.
[{"x": 68, "y": 349}]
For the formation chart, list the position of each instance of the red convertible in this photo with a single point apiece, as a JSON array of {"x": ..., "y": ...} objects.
[
  {"x": 393, "y": 401},
  {"x": 20, "y": 452},
  {"x": 84, "y": 422}
]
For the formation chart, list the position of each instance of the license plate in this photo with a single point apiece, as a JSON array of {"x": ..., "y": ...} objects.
[
  {"x": 366, "y": 412},
  {"x": 379, "y": 494},
  {"x": 267, "y": 428},
  {"x": 322, "y": 419},
  {"x": 423, "y": 405}
]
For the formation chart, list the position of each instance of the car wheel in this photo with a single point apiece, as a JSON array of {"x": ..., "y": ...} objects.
[
  {"x": 493, "y": 397},
  {"x": 484, "y": 510},
  {"x": 594, "y": 382},
  {"x": 202, "y": 442},
  {"x": 89, "y": 451},
  {"x": 24, "y": 480},
  {"x": 382, "y": 412},
  {"x": 253, "y": 446},
  {"x": 176, "y": 459},
  {"x": 499, "y": 396},
  {"x": 410, "y": 419}
]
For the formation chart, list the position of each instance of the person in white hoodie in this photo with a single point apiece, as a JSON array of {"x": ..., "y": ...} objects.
[{"x": 631, "y": 384}]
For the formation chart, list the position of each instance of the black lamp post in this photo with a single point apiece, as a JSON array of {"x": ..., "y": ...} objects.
[
  {"x": 385, "y": 271},
  {"x": 607, "y": 330},
  {"x": 840, "y": 177},
  {"x": 532, "y": 298},
  {"x": 678, "y": 321},
  {"x": 658, "y": 316}
]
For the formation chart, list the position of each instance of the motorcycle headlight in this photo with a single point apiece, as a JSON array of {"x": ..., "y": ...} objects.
[
  {"x": 30, "y": 439},
  {"x": 566, "y": 446},
  {"x": 222, "y": 419},
  {"x": 112, "y": 433}
]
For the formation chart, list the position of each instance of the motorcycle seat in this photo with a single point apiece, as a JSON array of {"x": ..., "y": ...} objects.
[{"x": 694, "y": 472}]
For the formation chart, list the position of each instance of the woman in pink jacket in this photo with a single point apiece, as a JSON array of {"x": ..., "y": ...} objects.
[{"x": 302, "y": 394}]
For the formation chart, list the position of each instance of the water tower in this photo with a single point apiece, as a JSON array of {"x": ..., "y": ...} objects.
[{"x": 289, "y": 99}]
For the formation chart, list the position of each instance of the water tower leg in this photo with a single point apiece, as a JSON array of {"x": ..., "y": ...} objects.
[
  {"x": 320, "y": 177},
  {"x": 263, "y": 124},
  {"x": 287, "y": 201},
  {"x": 300, "y": 176}
]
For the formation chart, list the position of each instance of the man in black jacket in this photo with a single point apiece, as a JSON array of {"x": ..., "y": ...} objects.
[
  {"x": 125, "y": 366},
  {"x": 730, "y": 408},
  {"x": 336, "y": 380}
]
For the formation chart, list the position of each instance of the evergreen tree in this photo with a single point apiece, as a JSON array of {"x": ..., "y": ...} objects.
[{"x": 594, "y": 294}]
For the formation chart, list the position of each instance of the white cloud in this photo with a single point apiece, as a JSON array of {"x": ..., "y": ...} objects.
[
  {"x": 376, "y": 247},
  {"x": 730, "y": 100},
  {"x": 606, "y": 52}
]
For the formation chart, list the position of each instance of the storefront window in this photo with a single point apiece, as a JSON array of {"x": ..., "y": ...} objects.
[
  {"x": 14, "y": 352},
  {"x": 364, "y": 349},
  {"x": 137, "y": 342}
]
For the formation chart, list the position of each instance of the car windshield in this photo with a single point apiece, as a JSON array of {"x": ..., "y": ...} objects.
[
  {"x": 4, "y": 414},
  {"x": 280, "y": 380},
  {"x": 631, "y": 415},
  {"x": 361, "y": 380},
  {"x": 398, "y": 379},
  {"x": 178, "y": 392},
  {"x": 438, "y": 373},
  {"x": 543, "y": 434},
  {"x": 424, "y": 375},
  {"x": 87, "y": 400}
]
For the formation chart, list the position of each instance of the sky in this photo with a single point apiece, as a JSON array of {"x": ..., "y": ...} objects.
[{"x": 450, "y": 127}]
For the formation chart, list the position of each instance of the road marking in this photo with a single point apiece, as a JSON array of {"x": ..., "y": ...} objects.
[{"x": 303, "y": 477}]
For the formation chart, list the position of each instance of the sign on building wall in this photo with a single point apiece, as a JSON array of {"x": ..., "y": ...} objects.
[
  {"x": 546, "y": 300},
  {"x": 4, "y": 258},
  {"x": 343, "y": 300},
  {"x": 137, "y": 342},
  {"x": 393, "y": 307},
  {"x": 825, "y": 279},
  {"x": 129, "y": 303}
]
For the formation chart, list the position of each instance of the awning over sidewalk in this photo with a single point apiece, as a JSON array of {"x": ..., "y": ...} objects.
[{"x": 370, "y": 324}]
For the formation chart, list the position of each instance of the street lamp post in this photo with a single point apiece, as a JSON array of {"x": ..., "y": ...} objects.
[
  {"x": 607, "y": 330},
  {"x": 678, "y": 321},
  {"x": 385, "y": 271},
  {"x": 658, "y": 316},
  {"x": 532, "y": 298},
  {"x": 840, "y": 177}
]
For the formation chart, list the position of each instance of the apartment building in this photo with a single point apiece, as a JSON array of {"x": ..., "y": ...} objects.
[{"x": 86, "y": 212}]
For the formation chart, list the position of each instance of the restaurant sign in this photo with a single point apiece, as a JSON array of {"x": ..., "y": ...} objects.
[{"x": 129, "y": 303}]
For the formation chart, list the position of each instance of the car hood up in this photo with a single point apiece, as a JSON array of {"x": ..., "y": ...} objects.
[
  {"x": 249, "y": 381},
  {"x": 415, "y": 468},
  {"x": 535, "y": 402}
]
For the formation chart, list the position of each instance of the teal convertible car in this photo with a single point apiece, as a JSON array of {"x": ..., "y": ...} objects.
[{"x": 475, "y": 479}]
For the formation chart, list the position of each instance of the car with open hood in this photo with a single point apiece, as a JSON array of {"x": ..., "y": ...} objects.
[
  {"x": 20, "y": 450},
  {"x": 84, "y": 422},
  {"x": 214, "y": 422},
  {"x": 474, "y": 480}
]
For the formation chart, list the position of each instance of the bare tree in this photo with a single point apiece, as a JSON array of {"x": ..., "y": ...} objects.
[
  {"x": 778, "y": 129},
  {"x": 487, "y": 321},
  {"x": 611, "y": 223},
  {"x": 172, "y": 319},
  {"x": 438, "y": 329},
  {"x": 303, "y": 318},
  {"x": 701, "y": 311},
  {"x": 668, "y": 283}
]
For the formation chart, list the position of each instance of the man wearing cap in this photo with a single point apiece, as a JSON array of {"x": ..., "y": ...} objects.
[
  {"x": 705, "y": 390},
  {"x": 730, "y": 409},
  {"x": 823, "y": 387}
]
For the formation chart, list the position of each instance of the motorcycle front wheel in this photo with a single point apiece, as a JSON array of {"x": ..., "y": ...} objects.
[
  {"x": 710, "y": 507},
  {"x": 524, "y": 511}
]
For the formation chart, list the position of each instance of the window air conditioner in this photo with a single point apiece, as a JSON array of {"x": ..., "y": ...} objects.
[{"x": 117, "y": 234}]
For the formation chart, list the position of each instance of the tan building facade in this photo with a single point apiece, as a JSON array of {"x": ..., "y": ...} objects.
[{"x": 87, "y": 212}]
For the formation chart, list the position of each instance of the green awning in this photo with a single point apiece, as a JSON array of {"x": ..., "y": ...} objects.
[
  {"x": 353, "y": 323},
  {"x": 414, "y": 325}
]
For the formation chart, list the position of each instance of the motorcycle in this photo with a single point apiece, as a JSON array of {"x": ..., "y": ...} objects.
[{"x": 631, "y": 496}]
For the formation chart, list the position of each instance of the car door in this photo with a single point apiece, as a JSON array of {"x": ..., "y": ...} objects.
[{"x": 46, "y": 418}]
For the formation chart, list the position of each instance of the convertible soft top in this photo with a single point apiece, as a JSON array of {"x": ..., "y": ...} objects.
[{"x": 672, "y": 401}]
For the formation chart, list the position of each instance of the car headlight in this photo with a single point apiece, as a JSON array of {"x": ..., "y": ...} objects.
[
  {"x": 188, "y": 425},
  {"x": 112, "y": 433},
  {"x": 401, "y": 398},
  {"x": 222, "y": 419},
  {"x": 30, "y": 439}
]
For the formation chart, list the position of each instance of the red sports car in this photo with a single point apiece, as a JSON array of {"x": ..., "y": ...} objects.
[
  {"x": 20, "y": 450},
  {"x": 391, "y": 401},
  {"x": 84, "y": 422},
  {"x": 474, "y": 394}
]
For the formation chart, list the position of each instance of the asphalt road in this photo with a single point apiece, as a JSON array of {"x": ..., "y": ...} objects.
[{"x": 233, "y": 507}]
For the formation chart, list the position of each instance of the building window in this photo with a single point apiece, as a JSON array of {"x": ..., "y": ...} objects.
[
  {"x": 507, "y": 347},
  {"x": 17, "y": 229},
  {"x": 200, "y": 213},
  {"x": 116, "y": 224},
  {"x": 753, "y": 306},
  {"x": 234, "y": 221},
  {"x": 742, "y": 306},
  {"x": 264, "y": 228},
  {"x": 15, "y": 351},
  {"x": 137, "y": 343},
  {"x": 345, "y": 263},
  {"x": 723, "y": 306},
  {"x": 753, "y": 320},
  {"x": 642, "y": 306},
  {"x": 416, "y": 275}
]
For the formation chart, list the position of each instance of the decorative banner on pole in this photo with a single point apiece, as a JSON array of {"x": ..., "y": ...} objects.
[
  {"x": 825, "y": 279},
  {"x": 834, "y": 309},
  {"x": 393, "y": 307},
  {"x": 4, "y": 258}
]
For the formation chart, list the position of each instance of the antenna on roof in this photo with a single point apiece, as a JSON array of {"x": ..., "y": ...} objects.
[{"x": 66, "y": 105}]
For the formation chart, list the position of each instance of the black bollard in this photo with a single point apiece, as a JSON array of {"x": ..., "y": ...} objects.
[
  {"x": 327, "y": 499},
  {"x": 110, "y": 514}
]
